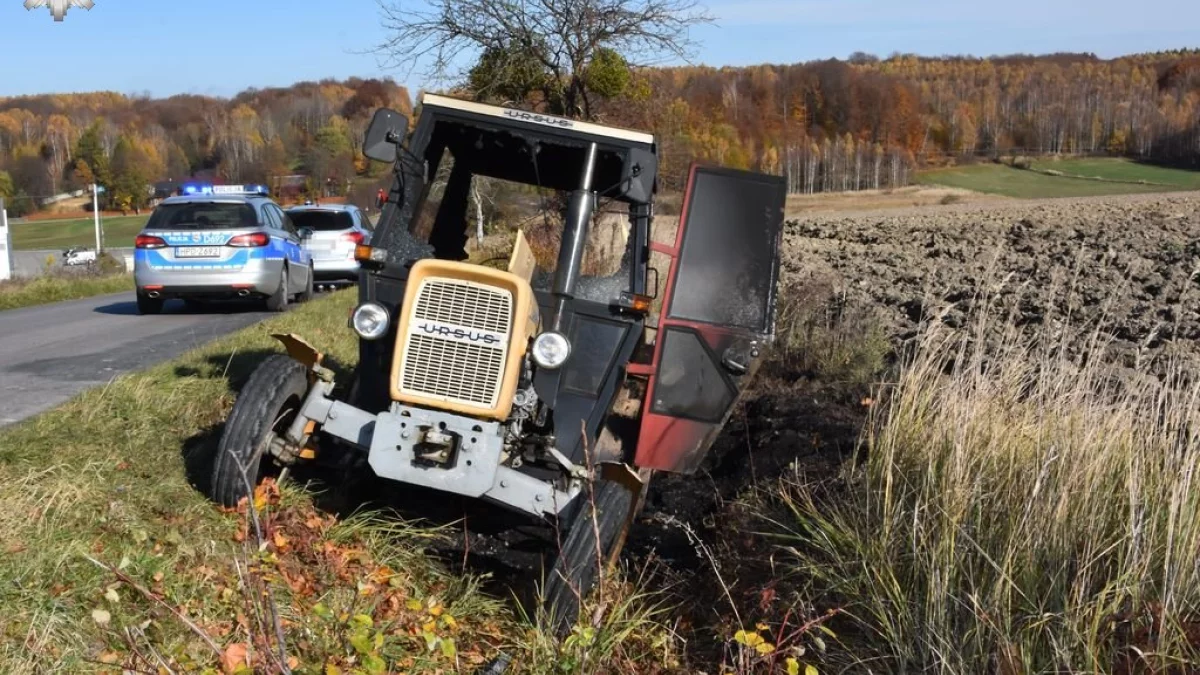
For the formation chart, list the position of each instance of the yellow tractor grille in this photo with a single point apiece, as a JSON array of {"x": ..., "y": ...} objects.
[
  {"x": 457, "y": 342},
  {"x": 453, "y": 371},
  {"x": 460, "y": 303}
]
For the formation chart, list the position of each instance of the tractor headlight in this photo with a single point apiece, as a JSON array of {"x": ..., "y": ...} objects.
[
  {"x": 550, "y": 350},
  {"x": 370, "y": 320}
]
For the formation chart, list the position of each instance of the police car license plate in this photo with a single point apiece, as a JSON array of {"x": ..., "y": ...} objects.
[{"x": 198, "y": 251}]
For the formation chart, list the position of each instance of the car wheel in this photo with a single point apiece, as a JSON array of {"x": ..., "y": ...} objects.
[
  {"x": 307, "y": 294},
  {"x": 149, "y": 305},
  {"x": 264, "y": 409},
  {"x": 593, "y": 534},
  {"x": 278, "y": 301}
]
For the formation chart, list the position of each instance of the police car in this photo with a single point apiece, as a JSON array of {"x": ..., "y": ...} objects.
[{"x": 214, "y": 242}]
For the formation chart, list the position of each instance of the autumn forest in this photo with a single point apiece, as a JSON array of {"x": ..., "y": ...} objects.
[{"x": 861, "y": 123}]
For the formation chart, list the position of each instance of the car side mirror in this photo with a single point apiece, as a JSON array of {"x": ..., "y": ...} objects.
[
  {"x": 384, "y": 136},
  {"x": 305, "y": 232}
]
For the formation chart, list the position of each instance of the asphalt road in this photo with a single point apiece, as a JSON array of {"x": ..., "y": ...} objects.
[{"x": 50, "y": 353}]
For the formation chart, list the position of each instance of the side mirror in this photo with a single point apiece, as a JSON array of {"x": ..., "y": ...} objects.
[
  {"x": 386, "y": 133},
  {"x": 639, "y": 172},
  {"x": 305, "y": 232}
]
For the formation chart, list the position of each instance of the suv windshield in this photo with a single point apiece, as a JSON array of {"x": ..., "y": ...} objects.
[
  {"x": 203, "y": 216},
  {"x": 322, "y": 221}
]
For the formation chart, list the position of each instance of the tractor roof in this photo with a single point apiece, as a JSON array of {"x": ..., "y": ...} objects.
[
  {"x": 540, "y": 122},
  {"x": 535, "y": 149}
]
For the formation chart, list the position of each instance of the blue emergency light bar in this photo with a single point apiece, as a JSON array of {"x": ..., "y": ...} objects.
[
  {"x": 195, "y": 189},
  {"x": 210, "y": 189}
]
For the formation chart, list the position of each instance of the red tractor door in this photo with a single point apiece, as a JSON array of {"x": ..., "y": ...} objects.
[{"x": 718, "y": 313}]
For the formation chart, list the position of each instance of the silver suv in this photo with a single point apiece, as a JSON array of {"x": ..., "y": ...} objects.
[{"x": 329, "y": 234}]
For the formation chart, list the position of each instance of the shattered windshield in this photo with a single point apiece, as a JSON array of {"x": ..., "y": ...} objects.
[{"x": 474, "y": 187}]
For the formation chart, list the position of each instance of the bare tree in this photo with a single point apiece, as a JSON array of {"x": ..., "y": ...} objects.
[{"x": 559, "y": 39}]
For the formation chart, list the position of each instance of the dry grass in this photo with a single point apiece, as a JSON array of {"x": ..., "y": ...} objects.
[
  {"x": 45, "y": 290},
  {"x": 66, "y": 283},
  {"x": 819, "y": 335},
  {"x": 867, "y": 200},
  {"x": 1015, "y": 512}
]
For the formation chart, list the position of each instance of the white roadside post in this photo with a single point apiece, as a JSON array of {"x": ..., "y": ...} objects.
[
  {"x": 96, "y": 213},
  {"x": 6, "y": 261}
]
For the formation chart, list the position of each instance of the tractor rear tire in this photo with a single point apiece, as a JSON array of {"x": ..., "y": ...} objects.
[
  {"x": 594, "y": 533},
  {"x": 265, "y": 408}
]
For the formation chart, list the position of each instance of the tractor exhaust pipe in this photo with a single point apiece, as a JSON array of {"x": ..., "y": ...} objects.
[{"x": 154, "y": 294}]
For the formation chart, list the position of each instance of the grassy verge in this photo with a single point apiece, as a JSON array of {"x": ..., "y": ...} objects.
[
  {"x": 1014, "y": 512},
  {"x": 47, "y": 289},
  {"x": 1123, "y": 170},
  {"x": 119, "y": 232},
  {"x": 1011, "y": 182},
  {"x": 112, "y": 558}
]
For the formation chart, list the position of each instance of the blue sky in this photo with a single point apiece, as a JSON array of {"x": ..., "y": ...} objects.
[{"x": 219, "y": 47}]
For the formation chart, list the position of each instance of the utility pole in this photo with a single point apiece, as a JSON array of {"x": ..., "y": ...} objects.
[
  {"x": 96, "y": 213},
  {"x": 6, "y": 261}
]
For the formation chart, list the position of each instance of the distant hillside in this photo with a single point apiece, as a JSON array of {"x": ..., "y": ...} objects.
[
  {"x": 56, "y": 142},
  {"x": 843, "y": 124},
  {"x": 832, "y": 125}
]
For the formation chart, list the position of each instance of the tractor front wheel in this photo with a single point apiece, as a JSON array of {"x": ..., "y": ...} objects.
[{"x": 264, "y": 410}]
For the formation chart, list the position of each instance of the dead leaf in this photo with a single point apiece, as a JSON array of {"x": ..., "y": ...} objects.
[
  {"x": 235, "y": 655},
  {"x": 101, "y": 617},
  {"x": 112, "y": 596},
  {"x": 267, "y": 493},
  {"x": 281, "y": 542},
  {"x": 765, "y": 598},
  {"x": 108, "y": 657}
]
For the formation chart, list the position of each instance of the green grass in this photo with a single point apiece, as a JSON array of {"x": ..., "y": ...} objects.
[
  {"x": 1014, "y": 513},
  {"x": 109, "y": 476},
  {"x": 1124, "y": 170},
  {"x": 1010, "y": 182},
  {"x": 48, "y": 289},
  {"x": 119, "y": 232}
]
